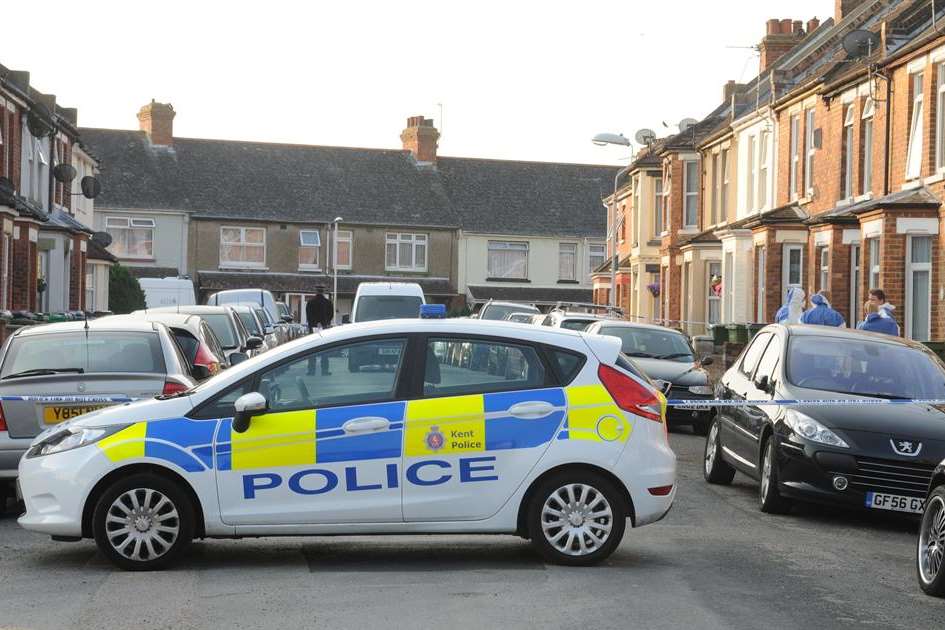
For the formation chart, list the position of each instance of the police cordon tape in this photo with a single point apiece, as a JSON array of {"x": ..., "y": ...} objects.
[
  {"x": 800, "y": 402},
  {"x": 91, "y": 398}
]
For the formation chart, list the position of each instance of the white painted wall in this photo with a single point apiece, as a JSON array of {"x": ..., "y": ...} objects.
[
  {"x": 170, "y": 236},
  {"x": 743, "y": 134},
  {"x": 741, "y": 275}
]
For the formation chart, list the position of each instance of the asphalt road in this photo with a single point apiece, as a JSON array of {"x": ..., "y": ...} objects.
[{"x": 715, "y": 562}]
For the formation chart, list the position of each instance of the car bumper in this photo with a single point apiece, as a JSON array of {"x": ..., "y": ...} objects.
[
  {"x": 645, "y": 464},
  {"x": 686, "y": 415},
  {"x": 55, "y": 489}
]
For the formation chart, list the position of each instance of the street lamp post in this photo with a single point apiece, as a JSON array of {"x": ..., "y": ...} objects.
[
  {"x": 334, "y": 269},
  {"x": 602, "y": 139}
]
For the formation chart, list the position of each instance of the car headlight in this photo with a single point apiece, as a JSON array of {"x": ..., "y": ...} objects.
[
  {"x": 72, "y": 438},
  {"x": 809, "y": 429},
  {"x": 702, "y": 390}
]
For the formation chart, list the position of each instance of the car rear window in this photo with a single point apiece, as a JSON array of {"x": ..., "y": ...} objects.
[
  {"x": 95, "y": 351},
  {"x": 577, "y": 324},
  {"x": 651, "y": 343},
  {"x": 222, "y": 326},
  {"x": 567, "y": 363},
  {"x": 250, "y": 322},
  {"x": 188, "y": 344},
  {"x": 499, "y": 311},
  {"x": 375, "y": 307}
]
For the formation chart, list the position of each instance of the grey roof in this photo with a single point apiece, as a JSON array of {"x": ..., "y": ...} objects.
[
  {"x": 535, "y": 295},
  {"x": 63, "y": 221}
]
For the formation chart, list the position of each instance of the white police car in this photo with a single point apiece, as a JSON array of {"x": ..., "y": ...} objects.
[{"x": 464, "y": 426}]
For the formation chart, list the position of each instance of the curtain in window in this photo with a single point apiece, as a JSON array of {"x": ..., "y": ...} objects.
[
  {"x": 567, "y": 261},
  {"x": 507, "y": 260},
  {"x": 914, "y": 154}
]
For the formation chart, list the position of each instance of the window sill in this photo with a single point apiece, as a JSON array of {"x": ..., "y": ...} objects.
[
  {"x": 912, "y": 184},
  {"x": 863, "y": 197},
  {"x": 508, "y": 280},
  {"x": 232, "y": 267},
  {"x": 688, "y": 230},
  {"x": 937, "y": 177},
  {"x": 404, "y": 270},
  {"x": 135, "y": 259},
  {"x": 569, "y": 282},
  {"x": 309, "y": 268}
]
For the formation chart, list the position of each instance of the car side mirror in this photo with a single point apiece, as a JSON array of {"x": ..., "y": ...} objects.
[
  {"x": 287, "y": 319},
  {"x": 253, "y": 343},
  {"x": 268, "y": 330},
  {"x": 345, "y": 319},
  {"x": 706, "y": 360},
  {"x": 238, "y": 357},
  {"x": 247, "y": 406},
  {"x": 765, "y": 384},
  {"x": 200, "y": 372}
]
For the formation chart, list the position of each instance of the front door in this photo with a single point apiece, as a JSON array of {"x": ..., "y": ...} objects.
[
  {"x": 488, "y": 413},
  {"x": 329, "y": 446}
]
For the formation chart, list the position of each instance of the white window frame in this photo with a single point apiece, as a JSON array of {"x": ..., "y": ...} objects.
[
  {"x": 728, "y": 287},
  {"x": 911, "y": 268},
  {"x": 343, "y": 236},
  {"x": 940, "y": 118},
  {"x": 716, "y": 190},
  {"x": 690, "y": 195},
  {"x": 871, "y": 245},
  {"x": 763, "y": 151},
  {"x": 242, "y": 243},
  {"x": 573, "y": 253},
  {"x": 795, "y": 156},
  {"x": 659, "y": 206},
  {"x": 866, "y": 136},
  {"x": 130, "y": 223},
  {"x": 5, "y": 266},
  {"x": 761, "y": 255},
  {"x": 786, "y": 265},
  {"x": 824, "y": 268},
  {"x": 504, "y": 246},
  {"x": 415, "y": 242},
  {"x": 591, "y": 256},
  {"x": 317, "y": 246},
  {"x": 847, "y": 151},
  {"x": 752, "y": 173},
  {"x": 914, "y": 152},
  {"x": 90, "y": 271},
  {"x": 723, "y": 197},
  {"x": 710, "y": 296},
  {"x": 856, "y": 260},
  {"x": 810, "y": 150}
]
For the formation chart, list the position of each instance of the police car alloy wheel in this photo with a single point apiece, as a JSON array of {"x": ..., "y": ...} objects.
[
  {"x": 577, "y": 519},
  {"x": 715, "y": 469},
  {"x": 930, "y": 557},
  {"x": 770, "y": 499},
  {"x": 143, "y": 522}
]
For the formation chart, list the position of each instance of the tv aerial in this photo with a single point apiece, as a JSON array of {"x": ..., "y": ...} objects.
[{"x": 645, "y": 136}]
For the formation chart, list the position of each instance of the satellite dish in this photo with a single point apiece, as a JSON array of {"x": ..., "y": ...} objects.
[
  {"x": 64, "y": 173},
  {"x": 91, "y": 187},
  {"x": 645, "y": 136},
  {"x": 6, "y": 186},
  {"x": 861, "y": 43},
  {"x": 102, "y": 239},
  {"x": 38, "y": 121},
  {"x": 687, "y": 123}
]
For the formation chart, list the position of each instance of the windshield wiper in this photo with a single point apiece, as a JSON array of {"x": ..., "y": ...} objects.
[
  {"x": 675, "y": 355},
  {"x": 889, "y": 396},
  {"x": 44, "y": 372},
  {"x": 641, "y": 355}
]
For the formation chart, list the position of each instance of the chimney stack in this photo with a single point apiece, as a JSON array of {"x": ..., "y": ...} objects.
[
  {"x": 781, "y": 37},
  {"x": 157, "y": 120},
  {"x": 420, "y": 138},
  {"x": 812, "y": 25},
  {"x": 731, "y": 88}
]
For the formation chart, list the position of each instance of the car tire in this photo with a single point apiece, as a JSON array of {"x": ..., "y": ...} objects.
[
  {"x": 157, "y": 515},
  {"x": 714, "y": 468},
  {"x": 930, "y": 554},
  {"x": 769, "y": 497},
  {"x": 578, "y": 495}
]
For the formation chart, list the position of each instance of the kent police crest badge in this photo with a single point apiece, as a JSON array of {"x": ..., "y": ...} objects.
[{"x": 435, "y": 439}]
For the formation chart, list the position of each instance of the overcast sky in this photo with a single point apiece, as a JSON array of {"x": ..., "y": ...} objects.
[{"x": 517, "y": 79}]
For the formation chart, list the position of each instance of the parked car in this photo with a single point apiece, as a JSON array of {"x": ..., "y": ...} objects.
[
  {"x": 665, "y": 354},
  {"x": 237, "y": 344},
  {"x": 520, "y": 317},
  {"x": 386, "y": 300},
  {"x": 930, "y": 556},
  {"x": 863, "y": 456},
  {"x": 67, "y": 369},
  {"x": 196, "y": 340},
  {"x": 275, "y": 335},
  {"x": 499, "y": 310},
  {"x": 262, "y": 298},
  {"x": 563, "y": 455},
  {"x": 295, "y": 329},
  {"x": 256, "y": 327},
  {"x": 570, "y": 320},
  {"x": 162, "y": 292}
]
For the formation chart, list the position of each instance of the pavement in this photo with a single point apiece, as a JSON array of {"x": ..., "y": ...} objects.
[{"x": 714, "y": 562}]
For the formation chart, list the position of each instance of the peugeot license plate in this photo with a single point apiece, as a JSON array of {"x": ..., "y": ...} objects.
[{"x": 894, "y": 502}]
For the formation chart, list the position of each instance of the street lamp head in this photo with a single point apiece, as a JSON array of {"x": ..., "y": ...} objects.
[
  {"x": 338, "y": 220},
  {"x": 602, "y": 139}
]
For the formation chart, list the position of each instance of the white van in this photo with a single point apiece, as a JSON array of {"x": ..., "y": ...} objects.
[
  {"x": 160, "y": 292},
  {"x": 386, "y": 300}
]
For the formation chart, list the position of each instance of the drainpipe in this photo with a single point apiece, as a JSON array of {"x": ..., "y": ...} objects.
[{"x": 888, "y": 135}]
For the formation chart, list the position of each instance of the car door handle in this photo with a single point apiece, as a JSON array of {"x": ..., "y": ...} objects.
[
  {"x": 531, "y": 410},
  {"x": 366, "y": 425}
]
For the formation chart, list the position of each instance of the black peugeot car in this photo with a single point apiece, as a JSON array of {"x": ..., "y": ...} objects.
[{"x": 874, "y": 456}]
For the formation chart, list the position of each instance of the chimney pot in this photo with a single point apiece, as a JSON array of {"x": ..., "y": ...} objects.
[
  {"x": 420, "y": 138},
  {"x": 786, "y": 26},
  {"x": 774, "y": 27},
  {"x": 812, "y": 25},
  {"x": 157, "y": 120}
]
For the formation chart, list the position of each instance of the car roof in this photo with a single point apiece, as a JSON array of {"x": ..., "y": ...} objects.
[
  {"x": 515, "y": 304},
  {"x": 190, "y": 309},
  {"x": 177, "y": 320},
  {"x": 381, "y": 288},
  {"x": 812, "y": 330},
  {"x": 109, "y": 323},
  {"x": 622, "y": 323},
  {"x": 235, "y": 291},
  {"x": 578, "y": 315}
]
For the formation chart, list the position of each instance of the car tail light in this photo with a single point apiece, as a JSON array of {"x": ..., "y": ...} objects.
[
  {"x": 3, "y": 419},
  {"x": 660, "y": 491},
  {"x": 630, "y": 395},
  {"x": 206, "y": 358},
  {"x": 173, "y": 387}
]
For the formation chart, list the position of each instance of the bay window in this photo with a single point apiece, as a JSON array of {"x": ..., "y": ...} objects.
[
  {"x": 508, "y": 260},
  {"x": 793, "y": 266},
  {"x": 752, "y": 173},
  {"x": 242, "y": 246},
  {"x": 132, "y": 237},
  {"x": 406, "y": 252},
  {"x": 914, "y": 152},
  {"x": 918, "y": 287},
  {"x": 763, "y": 169},
  {"x": 795, "y": 155},
  {"x": 809, "y": 152},
  {"x": 713, "y": 292},
  {"x": 658, "y": 206},
  {"x": 691, "y": 194},
  {"x": 824, "y": 277},
  {"x": 310, "y": 245}
]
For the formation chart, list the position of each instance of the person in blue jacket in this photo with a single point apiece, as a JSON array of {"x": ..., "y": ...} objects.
[
  {"x": 879, "y": 317},
  {"x": 821, "y": 312},
  {"x": 793, "y": 307}
]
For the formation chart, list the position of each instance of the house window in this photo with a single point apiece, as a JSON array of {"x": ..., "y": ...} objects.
[
  {"x": 595, "y": 255},
  {"x": 6, "y": 141},
  {"x": 658, "y": 206},
  {"x": 508, "y": 259},
  {"x": 914, "y": 154},
  {"x": 854, "y": 285},
  {"x": 5, "y": 271},
  {"x": 713, "y": 293},
  {"x": 762, "y": 284},
  {"x": 918, "y": 287},
  {"x": 940, "y": 118},
  {"x": 242, "y": 246},
  {"x": 310, "y": 245},
  {"x": 792, "y": 272},
  {"x": 752, "y": 173},
  {"x": 406, "y": 252},
  {"x": 874, "y": 262},
  {"x": 763, "y": 170},
  {"x": 90, "y": 287},
  {"x": 824, "y": 277},
  {"x": 691, "y": 188},
  {"x": 567, "y": 261},
  {"x": 132, "y": 237},
  {"x": 728, "y": 282},
  {"x": 795, "y": 154},
  {"x": 847, "y": 153},
  {"x": 344, "y": 244},
  {"x": 723, "y": 198},
  {"x": 866, "y": 142},
  {"x": 716, "y": 185},
  {"x": 809, "y": 152}
]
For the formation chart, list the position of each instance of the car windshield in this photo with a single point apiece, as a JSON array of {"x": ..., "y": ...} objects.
[
  {"x": 263, "y": 316},
  {"x": 374, "y": 307},
  {"x": 95, "y": 351},
  {"x": 864, "y": 367},
  {"x": 501, "y": 311},
  {"x": 249, "y": 322},
  {"x": 577, "y": 324},
  {"x": 650, "y": 343},
  {"x": 222, "y": 326}
]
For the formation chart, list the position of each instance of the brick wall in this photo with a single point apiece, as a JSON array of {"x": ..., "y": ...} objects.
[{"x": 24, "y": 271}]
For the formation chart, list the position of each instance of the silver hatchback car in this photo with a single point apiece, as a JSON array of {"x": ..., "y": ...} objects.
[{"x": 53, "y": 372}]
